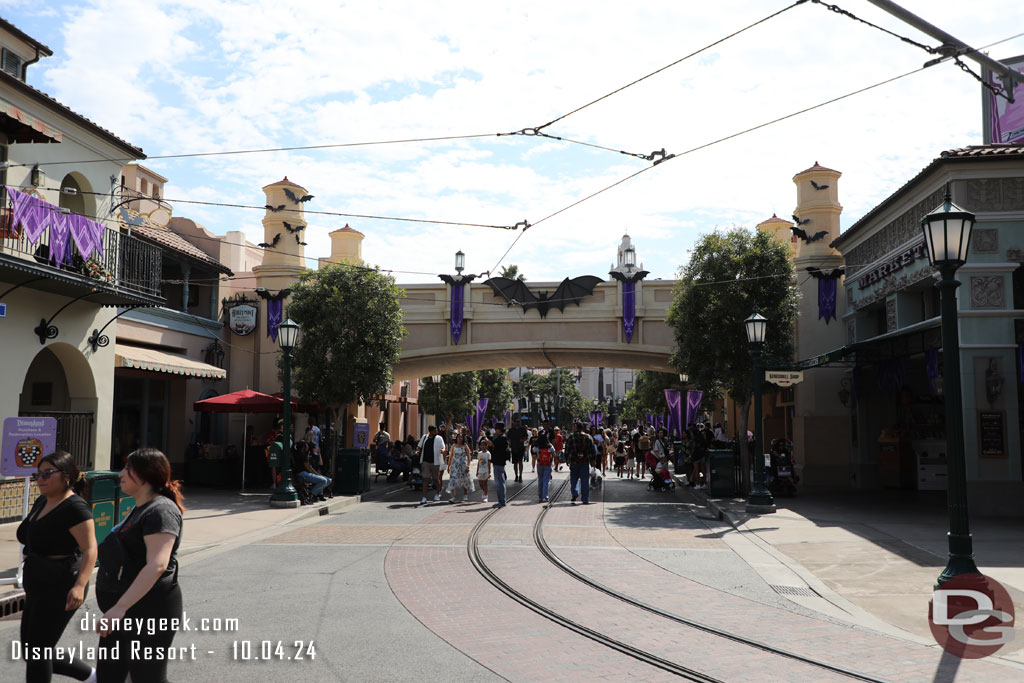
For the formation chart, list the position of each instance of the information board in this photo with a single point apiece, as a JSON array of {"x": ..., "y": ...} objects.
[
  {"x": 26, "y": 441},
  {"x": 991, "y": 434}
]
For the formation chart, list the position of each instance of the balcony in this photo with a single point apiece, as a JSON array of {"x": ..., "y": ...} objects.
[{"x": 123, "y": 271}]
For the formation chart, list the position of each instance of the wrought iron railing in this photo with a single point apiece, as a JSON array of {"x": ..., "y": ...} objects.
[{"x": 122, "y": 261}]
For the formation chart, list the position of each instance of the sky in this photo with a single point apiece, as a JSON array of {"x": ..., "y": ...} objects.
[{"x": 212, "y": 75}]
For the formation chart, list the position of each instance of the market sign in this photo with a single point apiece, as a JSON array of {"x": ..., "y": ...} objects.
[
  {"x": 242, "y": 319},
  {"x": 893, "y": 265},
  {"x": 784, "y": 378},
  {"x": 26, "y": 440}
]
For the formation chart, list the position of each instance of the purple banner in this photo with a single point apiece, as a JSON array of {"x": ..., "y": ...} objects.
[
  {"x": 275, "y": 308},
  {"x": 1005, "y": 121},
  {"x": 827, "y": 288},
  {"x": 34, "y": 216},
  {"x": 693, "y": 399},
  {"x": 508, "y": 418},
  {"x": 88, "y": 235},
  {"x": 674, "y": 400},
  {"x": 458, "y": 298},
  {"x": 931, "y": 368},
  {"x": 628, "y": 309},
  {"x": 481, "y": 409},
  {"x": 59, "y": 234}
]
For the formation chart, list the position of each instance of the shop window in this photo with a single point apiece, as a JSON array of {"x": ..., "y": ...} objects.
[{"x": 1018, "y": 288}]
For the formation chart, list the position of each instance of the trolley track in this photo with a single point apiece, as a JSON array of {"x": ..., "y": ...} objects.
[{"x": 551, "y": 556}]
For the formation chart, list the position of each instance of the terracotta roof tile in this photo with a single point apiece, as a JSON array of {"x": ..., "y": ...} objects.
[
  {"x": 175, "y": 242},
  {"x": 346, "y": 229},
  {"x": 285, "y": 182},
  {"x": 776, "y": 219},
  {"x": 817, "y": 167}
]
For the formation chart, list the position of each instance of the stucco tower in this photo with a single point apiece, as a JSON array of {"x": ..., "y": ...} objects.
[
  {"x": 820, "y": 418},
  {"x": 346, "y": 247}
]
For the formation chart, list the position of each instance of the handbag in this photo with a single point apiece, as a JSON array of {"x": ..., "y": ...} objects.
[{"x": 117, "y": 570}]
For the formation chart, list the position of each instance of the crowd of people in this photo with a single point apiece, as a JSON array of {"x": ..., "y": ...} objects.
[{"x": 589, "y": 452}]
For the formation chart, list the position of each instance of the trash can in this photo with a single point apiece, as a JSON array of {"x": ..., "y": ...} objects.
[
  {"x": 103, "y": 489},
  {"x": 352, "y": 474},
  {"x": 723, "y": 473}
]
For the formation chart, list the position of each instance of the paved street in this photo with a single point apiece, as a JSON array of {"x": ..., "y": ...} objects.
[{"x": 386, "y": 591}]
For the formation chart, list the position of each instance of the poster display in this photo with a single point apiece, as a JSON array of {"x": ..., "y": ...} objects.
[
  {"x": 26, "y": 440},
  {"x": 1003, "y": 121}
]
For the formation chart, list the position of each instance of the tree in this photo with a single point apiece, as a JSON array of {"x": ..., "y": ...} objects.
[
  {"x": 732, "y": 274},
  {"x": 351, "y": 334},
  {"x": 495, "y": 386},
  {"x": 512, "y": 272},
  {"x": 459, "y": 392},
  {"x": 649, "y": 391},
  {"x": 544, "y": 391}
]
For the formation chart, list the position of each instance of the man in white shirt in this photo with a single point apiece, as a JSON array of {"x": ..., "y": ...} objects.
[{"x": 432, "y": 461}]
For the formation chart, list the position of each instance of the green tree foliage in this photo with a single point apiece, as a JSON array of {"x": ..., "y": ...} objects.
[
  {"x": 732, "y": 274},
  {"x": 543, "y": 390},
  {"x": 459, "y": 392},
  {"x": 495, "y": 386},
  {"x": 351, "y": 334},
  {"x": 649, "y": 391},
  {"x": 512, "y": 272}
]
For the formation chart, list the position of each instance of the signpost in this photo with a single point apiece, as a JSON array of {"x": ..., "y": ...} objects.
[
  {"x": 26, "y": 441},
  {"x": 784, "y": 378}
]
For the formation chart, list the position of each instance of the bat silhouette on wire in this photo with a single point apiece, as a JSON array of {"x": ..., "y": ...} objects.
[
  {"x": 801, "y": 222},
  {"x": 267, "y": 296},
  {"x": 289, "y": 228},
  {"x": 272, "y": 244},
  {"x": 568, "y": 291},
  {"x": 275, "y": 209},
  {"x": 298, "y": 200},
  {"x": 298, "y": 241},
  {"x": 802, "y": 234},
  {"x": 833, "y": 274},
  {"x": 816, "y": 186}
]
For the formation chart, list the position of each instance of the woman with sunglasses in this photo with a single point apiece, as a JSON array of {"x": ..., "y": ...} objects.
[
  {"x": 60, "y": 551},
  {"x": 138, "y": 574}
]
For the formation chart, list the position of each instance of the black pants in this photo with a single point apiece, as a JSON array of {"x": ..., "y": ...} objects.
[
  {"x": 44, "y": 618},
  {"x": 158, "y": 603}
]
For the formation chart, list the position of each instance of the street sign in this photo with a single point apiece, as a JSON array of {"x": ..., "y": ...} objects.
[{"x": 784, "y": 378}]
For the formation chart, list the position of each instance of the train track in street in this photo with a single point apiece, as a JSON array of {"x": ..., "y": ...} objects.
[{"x": 608, "y": 640}]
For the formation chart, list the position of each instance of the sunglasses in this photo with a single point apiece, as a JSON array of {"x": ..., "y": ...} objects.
[{"x": 44, "y": 474}]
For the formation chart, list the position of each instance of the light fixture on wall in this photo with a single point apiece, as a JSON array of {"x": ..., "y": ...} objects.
[
  {"x": 37, "y": 177},
  {"x": 844, "y": 392}
]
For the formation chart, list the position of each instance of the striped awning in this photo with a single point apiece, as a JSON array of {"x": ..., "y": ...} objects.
[
  {"x": 37, "y": 125},
  {"x": 161, "y": 361}
]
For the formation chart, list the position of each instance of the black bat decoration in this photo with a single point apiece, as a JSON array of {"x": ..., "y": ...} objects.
[
  {"x": 273, "y": 244},
  {"x": 816, "y": 186},
  {"x": 801, "y": 222},
  {"x": 298, "y": 241},
  {"x": 633, "y": 277},
  {"x": 833, "y": 274},
  {"x": 568, "y": 291},
  {"x": 298, "y": 200},
  {"x": 453, "y": 282},
  {"x": 278, "y": 208},
  {"x": 264, "y": 294},
  {"x": 289, "y": 228},
  {"x": 809, "y": 238}
]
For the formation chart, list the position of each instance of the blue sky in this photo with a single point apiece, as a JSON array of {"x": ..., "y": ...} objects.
[{"x": 191, "y": 76}]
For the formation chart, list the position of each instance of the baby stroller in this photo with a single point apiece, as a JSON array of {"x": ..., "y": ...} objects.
[
  {"x": 661, "y": 480},
  {"x": 415, "y": 479},
  {"x": 596, "y": 479}
]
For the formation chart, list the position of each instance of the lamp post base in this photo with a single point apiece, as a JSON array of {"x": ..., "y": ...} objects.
[
  {"x": 285, "y": 497},
  {"x": 284, "y": 503},
  {"x": 756, "y": 509},
  {"x": 961, "y": 559}
]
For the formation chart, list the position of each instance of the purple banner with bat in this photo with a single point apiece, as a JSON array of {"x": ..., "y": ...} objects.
[
  {"x": 1004, "y": 121},
  {"x": 458, "y": 298},
  {"x": 628, "y": 310}
]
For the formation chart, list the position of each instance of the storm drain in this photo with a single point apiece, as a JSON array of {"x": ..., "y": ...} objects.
[{"x": 794, "y": 590}]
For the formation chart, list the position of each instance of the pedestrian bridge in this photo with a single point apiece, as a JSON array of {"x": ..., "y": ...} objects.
[{"x": 497, "y": 335}]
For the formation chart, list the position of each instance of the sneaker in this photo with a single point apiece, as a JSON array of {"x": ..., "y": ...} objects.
[
  {"x": 437, "y": 497},
  {"x": 545, "y": 499},
  {"x": 574, "y": 497},
  {"x": 484, "y": 499},
  {"x": 586, "y": 502},
  {"x": 497, "y": 505},
  {"x": 423, "y": 501}
]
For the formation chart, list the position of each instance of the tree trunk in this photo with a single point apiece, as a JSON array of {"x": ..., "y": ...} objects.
[{"x": 746, "y": 454}]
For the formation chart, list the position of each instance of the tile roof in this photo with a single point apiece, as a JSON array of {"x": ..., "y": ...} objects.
[
  {"x": 346, "y": 229},
  {"x": 776, "y": 219},
  {"x": 8, "y": 80},
  {"x": 997, "y": 151},
  {"x": 816, "y": 167},
  {"x": 26, "y": 37},
  {"x": 284, "y": 182},
  {"x": 175, "y": 242}
]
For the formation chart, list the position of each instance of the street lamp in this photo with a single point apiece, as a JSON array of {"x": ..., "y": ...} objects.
[
  {"x": 629, "y": 258},
  {"x": 760, "y": 498},
  {"x": 285, "y": 495},
  {"x": 947, "y": 234},
  {"x": 460, "y": 262},
  {"x": 437, "y": 390}
]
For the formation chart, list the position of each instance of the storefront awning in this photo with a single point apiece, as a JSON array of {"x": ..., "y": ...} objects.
[
  {"x": 23, "y": 127},
  {"x": 161, "y": 361}
]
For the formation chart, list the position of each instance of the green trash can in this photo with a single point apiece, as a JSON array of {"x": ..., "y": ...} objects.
[
  {"x": 104, "y": 488},
  {"x": 352, "y": 474},
  {"x": 723, "y": 473}
]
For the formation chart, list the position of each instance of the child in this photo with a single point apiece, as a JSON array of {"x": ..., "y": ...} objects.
[
  {"x": 483, "y": 467},
  {"x": 620, "y": 458},
  {"x": 630, "y": 463}
]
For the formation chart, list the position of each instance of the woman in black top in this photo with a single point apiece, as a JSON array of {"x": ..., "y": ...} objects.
[
  {"x": 60, "y": 551},
  {"x": 138, "y": 574}
]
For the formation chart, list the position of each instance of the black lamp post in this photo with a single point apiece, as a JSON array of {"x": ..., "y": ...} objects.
[
  {"x": 947, "y": 234},
  {"x": 285, "y": 495},
  {"x": 629, "y": 258},
  {"x": 760, "y": 499},
  {"x": 460, "y": 262},
  {"x": 437, "y": 393}
]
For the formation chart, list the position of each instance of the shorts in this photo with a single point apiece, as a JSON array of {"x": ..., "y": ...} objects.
[
  {"x": 429, "y": 470},
  {"x": 620, "y": 460},
  {"x": 517, "y": 458}
]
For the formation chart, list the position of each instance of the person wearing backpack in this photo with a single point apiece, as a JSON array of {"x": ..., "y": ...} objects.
[
  {"x": 580, "y": 451},
  {"x": 546, "y": 459}
]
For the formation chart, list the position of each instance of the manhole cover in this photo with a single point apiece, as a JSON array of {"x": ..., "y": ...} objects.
[{"x": 794, "y": 590}]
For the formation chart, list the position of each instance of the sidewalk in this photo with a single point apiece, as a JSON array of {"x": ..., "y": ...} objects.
[{"x": 873, "y": 554}]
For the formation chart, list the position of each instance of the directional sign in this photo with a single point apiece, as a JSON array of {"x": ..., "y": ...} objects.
[{"x": 784, "y": 378}]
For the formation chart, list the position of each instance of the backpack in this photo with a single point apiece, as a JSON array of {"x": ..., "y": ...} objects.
[{"x": 544, "y": 457}]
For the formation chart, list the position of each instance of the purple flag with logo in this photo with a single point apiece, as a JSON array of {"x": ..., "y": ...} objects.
[
  {"x": 628, "y": 309},
  {"x": 827, "y": 288},
  {"x": 458, "y": 298},
  {"x": 275, "y": 308},
  {"x": 674, "y": 400},
  {"x": 693, "y": 399}
]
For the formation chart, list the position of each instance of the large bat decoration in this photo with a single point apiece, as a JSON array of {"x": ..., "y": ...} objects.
[
  {"x": 633, "y": 277},
  {"x": 801, "y": 222},
  {"x": 569, "y": 291},
  {"x": 298, "y": 241},
  {"x": 279, "y": 207},
  {"x": 816, "y": 186},
  {"x": 462, "y": 279},
  {"x": 819, "y": 274},
  {"x": 289, "y": 228},
  {"x": 264, "y": 294},
  {"x": 802, "y": 234},
  {"x": 272, "y": 244},
  {"x": 298, "y": 200}
]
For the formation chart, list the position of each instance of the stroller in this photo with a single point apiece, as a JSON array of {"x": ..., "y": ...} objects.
[
  {"x": 661, "y": 480},
  {"x": 596, "y": 479}
]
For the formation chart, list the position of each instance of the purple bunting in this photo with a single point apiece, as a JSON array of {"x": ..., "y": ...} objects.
[
  {"x": 931, "y": 368},
  {"x": 59, "y": 234},
  {"x": 31, "y": 213},
  {"x": 674, "y": 400},
  {"x": 275, "y": 309},
  {"x": 628, "y": 309},
  {"x": 88, "y": 235},
  {"x": 34, "y": 216},
  {"x": 827, "y": 288},
  {"x": 693, "y": 399},
  {"x": 458, "y": 298}
]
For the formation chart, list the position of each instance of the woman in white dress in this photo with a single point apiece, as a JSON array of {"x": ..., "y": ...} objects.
[
  {"x": 483, "y": 466},
  {"x": 458, "y": 470}
]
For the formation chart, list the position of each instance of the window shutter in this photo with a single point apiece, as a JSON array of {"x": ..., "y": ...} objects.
[{"x": 11, "y": 63}]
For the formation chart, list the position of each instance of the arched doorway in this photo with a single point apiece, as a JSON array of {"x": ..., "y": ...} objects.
[{"x": 59, "y": 383}]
